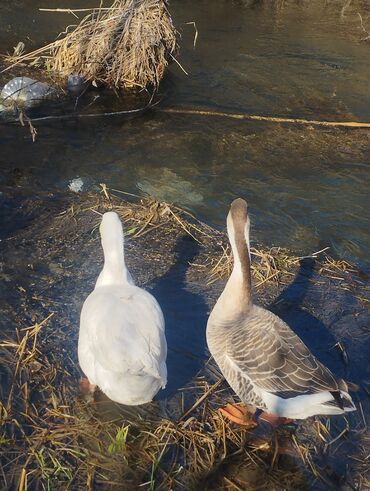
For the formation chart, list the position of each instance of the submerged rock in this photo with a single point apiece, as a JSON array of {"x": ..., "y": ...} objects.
[
  {"x": 77, "y": 84},
  {"x": 76, "y": 185},
  {"x": 164, "y": 184},
  {"x": 24, "y": 92}
]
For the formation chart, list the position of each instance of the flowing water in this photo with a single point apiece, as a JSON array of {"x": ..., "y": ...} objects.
[{"x": 307, "y": 186}]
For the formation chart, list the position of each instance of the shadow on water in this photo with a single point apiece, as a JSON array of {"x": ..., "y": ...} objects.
[
  {"x": 313, "y": 332},
  {"x": 185, "y": 314},
  {"x": 319, "y": 336}
]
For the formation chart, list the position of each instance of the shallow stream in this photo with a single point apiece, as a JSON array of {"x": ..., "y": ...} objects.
[{"x": 307, "y": 187}]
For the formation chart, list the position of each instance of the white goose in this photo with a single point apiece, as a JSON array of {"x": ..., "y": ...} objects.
[
  {"x": 122, "y": 346},
  {"x": 263, "y": 360}
]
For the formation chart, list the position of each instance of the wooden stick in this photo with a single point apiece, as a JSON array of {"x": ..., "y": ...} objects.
[
  {"x": 271, "y": 119},
  {"x": 201, "y": 399},
  {"x": 70, "y": 11}
]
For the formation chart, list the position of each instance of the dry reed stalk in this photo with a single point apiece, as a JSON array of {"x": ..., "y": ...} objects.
[
  {"x": 267, "y": 265},
  {"x": 270, "y": 119},
  {"x": 331, "y": 266},
  {"x": 46, "y": 438},
  {"x": 146, "y": 215},
  {"x": 126, "y": 45},
  {"x": 51, "y": 445}
]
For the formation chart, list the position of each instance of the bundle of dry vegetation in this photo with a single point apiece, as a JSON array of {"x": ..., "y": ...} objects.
[
  {"x": 126, "y": 45},
  {"x": 50, "y": 438}
]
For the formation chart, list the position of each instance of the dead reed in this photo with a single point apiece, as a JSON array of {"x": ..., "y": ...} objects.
[
  {"x": 144, "y": 215},
  {"x": 126, "y": 45},
  {"x": 47, "y": 440},
  {"x": 51, "y": 439},
  {"x": 268, "y": 265}
]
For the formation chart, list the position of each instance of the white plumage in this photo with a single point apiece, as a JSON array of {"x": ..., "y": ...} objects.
[{"x": 122, "y": 346}]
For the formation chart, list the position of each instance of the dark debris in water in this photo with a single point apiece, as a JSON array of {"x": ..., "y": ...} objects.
[{"x": 51, "y": 439}]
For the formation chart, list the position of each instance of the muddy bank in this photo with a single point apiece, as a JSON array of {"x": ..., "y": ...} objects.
[{"x": 50, "y": 258}]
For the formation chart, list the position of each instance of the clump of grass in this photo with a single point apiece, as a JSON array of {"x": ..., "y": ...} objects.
[
  {"x": 126, "y": 45},
  {"x": 268, "y": 265},
  {"x": 142, "y": 215},
  {"x": 50, "y": 439},
  {"x": 332, "y": 267}
]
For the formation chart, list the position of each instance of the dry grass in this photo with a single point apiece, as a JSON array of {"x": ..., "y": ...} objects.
[
  {"x": 143, "y": 215},
  {"x": 47, "y": 440},
  {"x": 272, "y": 265},
  {"x": 363, "y": 463},
  {"x": 51, "y": 439},
  {"x": 335, "y": 268},
  {"x": 126, "y": 45},
  {"x": 267, "y": 265}
]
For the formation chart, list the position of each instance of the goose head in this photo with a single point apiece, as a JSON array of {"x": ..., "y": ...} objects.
[
  {"x": 110, "y": 224},
  {"x": 111, "y": 234}
]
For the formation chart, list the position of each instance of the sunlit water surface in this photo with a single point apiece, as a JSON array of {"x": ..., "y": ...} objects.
[{"x": 307, "y": 187}]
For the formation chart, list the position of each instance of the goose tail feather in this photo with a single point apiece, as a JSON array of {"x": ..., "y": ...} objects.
[
  {"x": 306, "y": 405},
  {"x": 342, "y": 401}
]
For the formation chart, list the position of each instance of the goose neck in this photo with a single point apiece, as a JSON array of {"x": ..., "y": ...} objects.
[
  {"x": 114, "y": 271},
  {"x": 241, "y": 275}
]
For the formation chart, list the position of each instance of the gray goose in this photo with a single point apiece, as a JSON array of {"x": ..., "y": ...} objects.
[{"x": 263, "y": 360}]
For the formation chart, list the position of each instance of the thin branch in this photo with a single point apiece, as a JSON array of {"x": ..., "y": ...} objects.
[
  {"x": 201, "y": 399},
  {"x": 270, "y": 119},
  {"x": 195, "y": 33},
  {"x": 93, "y": 115}
]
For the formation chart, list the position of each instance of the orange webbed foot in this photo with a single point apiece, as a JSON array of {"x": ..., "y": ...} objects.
[
  {"x": 275, "y": 421},
  {"x": 240, "y": 414},
  {"x": 87, "y": 389}
]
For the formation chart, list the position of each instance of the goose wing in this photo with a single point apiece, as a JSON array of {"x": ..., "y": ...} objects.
[
  {"x": 126, "y": 330},
  {"x": 273, "y": 358}
]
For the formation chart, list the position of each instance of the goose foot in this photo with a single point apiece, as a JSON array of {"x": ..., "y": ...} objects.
[
  {"x": 277, "y": 444},
  {"x": 240, "y": 414},
  {"x": 275, "y": 421},
  {"x": 87, "y": 389}
]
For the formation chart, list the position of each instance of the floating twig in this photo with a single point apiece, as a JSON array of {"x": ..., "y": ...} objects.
[{"x": 269, "y": 119}]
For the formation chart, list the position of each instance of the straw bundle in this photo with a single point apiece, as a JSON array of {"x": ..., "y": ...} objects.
[{"x": 126, "y": 45}]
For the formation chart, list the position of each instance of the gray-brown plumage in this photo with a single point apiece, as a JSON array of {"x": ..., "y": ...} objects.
[{"x": 264, "y": 361}]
